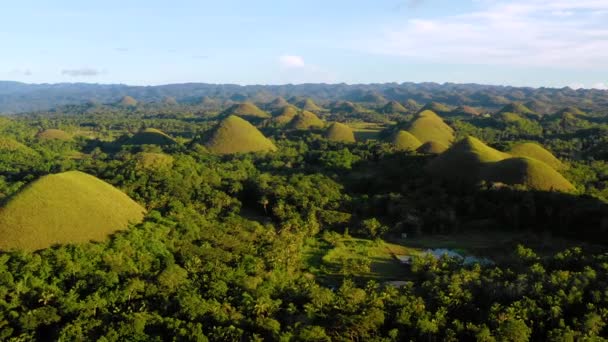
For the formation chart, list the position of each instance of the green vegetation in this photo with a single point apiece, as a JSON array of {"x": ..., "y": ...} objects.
[
  {"x": 306, "y": 120},
  {"x": 339, "y": 132},
  {"x": 405, "y": 141},
  {"x": 432, "y": 147},
  {"x": 319, "y": 240},
  {"x": 69, "y": 207},
  {"x": 53, "y": 134},
  {"x": 517, "y": 108},
  {"x": 235, "y": 135},
  {"x": 535, "y": 151},
  {"x": 150, "y": 136}
]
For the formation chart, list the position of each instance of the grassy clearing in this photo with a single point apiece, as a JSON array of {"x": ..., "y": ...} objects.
[
  {"x": 360, "y": 259},
  {"x": 366, "y": 130}
]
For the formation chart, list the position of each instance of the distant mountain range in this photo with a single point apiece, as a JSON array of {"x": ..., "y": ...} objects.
[{"x": 18, "y": 97}]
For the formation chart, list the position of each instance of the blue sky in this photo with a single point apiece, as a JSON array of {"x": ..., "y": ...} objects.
[{"x": 517, "y": 42}]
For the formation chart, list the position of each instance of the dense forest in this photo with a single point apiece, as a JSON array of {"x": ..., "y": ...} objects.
[{"x": 387, "y": 212}]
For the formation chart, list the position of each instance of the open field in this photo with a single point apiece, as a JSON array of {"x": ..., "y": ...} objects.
[{"x": 366, "y": 130}]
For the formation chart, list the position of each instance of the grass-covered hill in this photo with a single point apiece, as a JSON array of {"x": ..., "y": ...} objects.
[
  {"x": 531, "y": 173},
  {"x": 347, "y": 107},
  {"x": 465, "y": 111},
  {"x": 437, "y": 107},
  {"x": 150, "y": 136},
  {"x": 339, "y": 132},
  {"x": 53, "y": 134},
  {"x": 432, "y": 147},
  {"x": 11, "y": 145},
  {"x": 69, "y": 207},
  {"x": 394, "y": 107},
  {"x": 471, "y": 161},
  {"x": 428, "y": 126},
  {"x": 306, "y": 120},
  {"x": 277, "y": 103},
  {"x": 236, "y": 135},
  {"x": 405, "y": 141},
  {"x": 246, "y": 110},
  {"x": 535, "y": 151},
  {"x": 127, "y": 101},
  {"x": 284, "y": 115},
  {"x": 309, "y": 105},
  {"x": 517, "y": 108}
]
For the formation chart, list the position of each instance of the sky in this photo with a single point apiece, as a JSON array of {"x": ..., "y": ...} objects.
[{"x": 552, "y": 43}]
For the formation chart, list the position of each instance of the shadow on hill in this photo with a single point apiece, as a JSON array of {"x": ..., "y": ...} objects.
[{"x": 397, "y": 190}]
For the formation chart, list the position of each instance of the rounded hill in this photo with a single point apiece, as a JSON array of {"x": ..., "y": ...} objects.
[
  {"x": 236, "y": 135},
  {"x": 528, "y": 172},
  {"x": 394, "y": 107},
  {"x": 535, "y": 151},
  {"x": 246, "y": 110},
  {"x": 127, "y": 101},
  {"x": 284, "y": 115},
  {"x": 69, "y": 207},
  {"x": 309, "y": 105},
  {"x": 430, "y": 127},
  {"x": 463, "y": 161},
  {"x": 339, "y": 132},
  {"x": 153, "y": 161},
  {"x": 405, "y": 141},
  {"x": 12, "y": 145},
  {"x": 150, "y": 136},
  {"x": 53, "y": 134},
  {"x": 306, "y": 120}
]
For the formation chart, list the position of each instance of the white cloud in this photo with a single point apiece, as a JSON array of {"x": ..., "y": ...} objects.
[
  {"x": 601, "y": 85},
  {"x": 551, "y": 33},
  {"x": 291, "y": 61},
  {"x": 81, "y": 72}
]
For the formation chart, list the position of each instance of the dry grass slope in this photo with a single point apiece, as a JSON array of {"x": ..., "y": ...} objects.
[
  {"x": 236, "y": 135},
  {"x": 69, "y": 207},
  {"x": 11, "y": 145},
  {"x": 310, "y": 106},
  {"x": 128, "y": 101},
  {"x": 528, "y": 172},
  {"x": 339, "y": 132},
  {"x": 405, "y": 141},
  {"x": 535, "y": 151},
  {"x": 53, "y": 134},
  {"x": 151, "y": 136},
  {"x": 306, "y": 120}
]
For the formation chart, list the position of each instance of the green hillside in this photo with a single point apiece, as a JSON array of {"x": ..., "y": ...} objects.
[
  {"x": 432, "y": 147},
  {"x": 309, "y": 105},
  {"x": 535, "y": 151},
  {"x": 12, "y": 145},
  {"x": 277, "y": 103},
  {"x": 517, "y": 108},
  {"x": 465, "y": 111},
  {"x": 405, "y": 141},
  {"x": 246, "y": 110},
  {"x": 430, "y": 127},
  {"x": 436, "y": 107},
  {"x": 306, "y": 120},
  {"x": 53, "y": 134},
  {"x": 339, "y": 132},
  {"x": 236, "y": 135},
  {"x": 531, "y": 173},
  {"x": 284, "y": 115},
  {"x": 69, "y": 207},
  {"x": 394, "y": 107},
  {"x": 150, "y": 136},
  {"x": 463, "y": 161}
]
